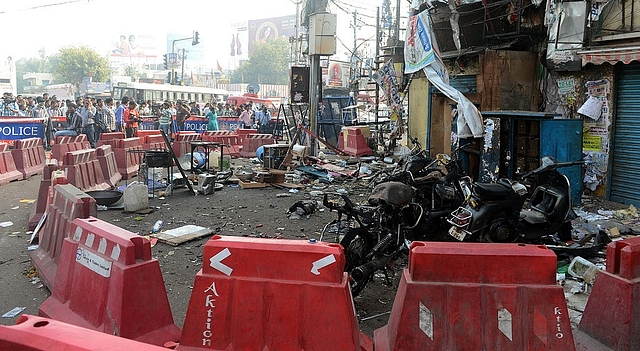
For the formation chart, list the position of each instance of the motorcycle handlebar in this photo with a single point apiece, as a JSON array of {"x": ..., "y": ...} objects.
[
  {"x": 347, "y": 208},
  {"x": 554, "y": 165}
]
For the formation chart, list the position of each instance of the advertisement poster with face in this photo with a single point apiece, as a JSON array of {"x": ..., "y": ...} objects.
[{"x": 263, "y": 30}]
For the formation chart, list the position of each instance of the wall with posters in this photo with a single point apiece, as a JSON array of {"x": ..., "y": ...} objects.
[{"x": 587, "y": 95}]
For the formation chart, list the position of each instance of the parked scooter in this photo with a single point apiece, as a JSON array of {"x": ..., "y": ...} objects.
[{"x": 494, "y": 212}]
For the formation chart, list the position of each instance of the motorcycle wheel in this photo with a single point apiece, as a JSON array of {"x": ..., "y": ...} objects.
[
  {"x": 501, "y": 231},
  {"x": 357, "y": 245}
]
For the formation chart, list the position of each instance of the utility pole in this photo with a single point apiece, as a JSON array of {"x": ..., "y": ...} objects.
[
  {"x": 297, "y": 39},
  {"x": 184, "y": 57},
  {"x": 396, "y": 27},
  {"x": 354, "y": 60}
]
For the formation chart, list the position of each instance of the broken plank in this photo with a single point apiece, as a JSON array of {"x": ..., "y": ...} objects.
[
  {"x": 182, "y": 234},
  {"x": 251, "y": 185},
  {"x": 288, "y": 186}
]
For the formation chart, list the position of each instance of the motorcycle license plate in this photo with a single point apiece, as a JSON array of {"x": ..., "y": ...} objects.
[{"x": 457, "y": 233}]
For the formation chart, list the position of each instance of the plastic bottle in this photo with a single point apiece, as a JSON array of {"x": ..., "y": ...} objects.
[{"x": 157, "y": 226}]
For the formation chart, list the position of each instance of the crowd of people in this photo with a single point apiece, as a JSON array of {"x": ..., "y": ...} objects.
[{"x": 93, "y": 116}]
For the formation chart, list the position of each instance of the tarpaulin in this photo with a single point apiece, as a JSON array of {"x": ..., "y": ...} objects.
[{"x": 421, "y": 52}]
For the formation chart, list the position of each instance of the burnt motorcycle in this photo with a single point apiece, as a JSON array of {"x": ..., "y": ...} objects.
[
  {"x": 496, "y": 212},
  {"x": 376, "y": 234}
]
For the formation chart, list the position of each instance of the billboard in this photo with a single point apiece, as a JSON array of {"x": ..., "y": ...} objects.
[
  {"x": 261, "y": 30},
  {"x": 239, "y": 40},
  {"x": 135, "y": 45}
]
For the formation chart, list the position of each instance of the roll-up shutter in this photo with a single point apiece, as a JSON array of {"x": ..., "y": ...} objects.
[{"x": 625, "y": 172}]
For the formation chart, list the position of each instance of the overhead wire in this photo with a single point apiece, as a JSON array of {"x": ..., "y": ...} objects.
[{"x": 45, "y": 5}]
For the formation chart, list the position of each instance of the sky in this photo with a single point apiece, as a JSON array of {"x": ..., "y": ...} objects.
[{"x": 52, "y": 24}]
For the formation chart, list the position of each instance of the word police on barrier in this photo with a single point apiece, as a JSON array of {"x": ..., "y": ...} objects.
[
  {"x": 21, "y": 128},
  {"x": 198, "y": 126}
]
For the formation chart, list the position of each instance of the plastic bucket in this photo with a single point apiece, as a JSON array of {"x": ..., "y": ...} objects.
[{"x": 198, "y": 160}]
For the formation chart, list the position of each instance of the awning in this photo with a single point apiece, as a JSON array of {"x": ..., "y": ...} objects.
[{"x": 610, "y": 55}]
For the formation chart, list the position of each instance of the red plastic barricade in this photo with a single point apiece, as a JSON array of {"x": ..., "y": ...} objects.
[
  {"x": 107, "y": 160},
  {"x": 242, "y": 134},
  {"x": 68, "y": 204},
  {"x": 84, "y": 171},
  {"x": 229, "y": 140},
  {"x": 612, "y": 314},
  {"x": 267, "y": 294},
  {"x": 45, "y": 192},
  {"x": 32, "y": 333},
  {"x": 128, "y": 156},
  {"x": 28, "y": 155},
  {"x": 356, "y": 143},
  {"x": 459, "y": 296},
  {"x": 64, "y": 144},
  {"x": 108, "y": 281},
  {"x": 182, "y": 143},
  {"x": 253, "y": 141},
  {"x": 8, "y": 170},
  {"x": 145, "y": 133},
  {"x": 153, "y": 142},
  {"x": 110, "y": 139}
]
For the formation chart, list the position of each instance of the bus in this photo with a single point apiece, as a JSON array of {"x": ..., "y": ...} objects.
[{"x": 158, "y": 93}]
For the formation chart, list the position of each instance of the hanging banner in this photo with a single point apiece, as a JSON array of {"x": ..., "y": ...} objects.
[
  {"x": 386, "y": 78},
  {"x": 418, "y": 50},
  {"x": 422, "y": 53}
]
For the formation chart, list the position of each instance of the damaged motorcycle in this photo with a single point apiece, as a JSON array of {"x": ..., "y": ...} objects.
[
  {"x": 496, "y": 212},
  {"x": 375, "y": 235}
]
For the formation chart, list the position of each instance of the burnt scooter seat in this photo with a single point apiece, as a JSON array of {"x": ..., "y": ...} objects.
[{"x": 493, "y": 191}]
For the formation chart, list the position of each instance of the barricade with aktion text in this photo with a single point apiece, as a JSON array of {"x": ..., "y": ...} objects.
[
  {"x": 471, "y": 296},
  {"x": 267, "y": 294}
]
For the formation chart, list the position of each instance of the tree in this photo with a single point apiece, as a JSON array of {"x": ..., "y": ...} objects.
[
  {"x": 269, "y": 64},
  {"x": 73, "y": 63},
  {"x": 31, "y": 65}
]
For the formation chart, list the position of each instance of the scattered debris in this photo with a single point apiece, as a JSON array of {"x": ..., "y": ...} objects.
[
  {"x": 302, "y": 208},
  {"x": 182, "y": 234},
  {"x": 14, "y": 312},
  {"x": 6, "y": 224}
]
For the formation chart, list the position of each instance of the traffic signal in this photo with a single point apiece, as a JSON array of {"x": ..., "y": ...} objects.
[
  {"x": 175, "y": 77},
  {"x": 196, "y": 38},
  {"x": 169, "y": 77},
  {"x": 164, "y": 60}
]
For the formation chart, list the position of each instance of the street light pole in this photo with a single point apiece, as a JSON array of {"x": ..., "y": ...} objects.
[{"x": 173, "y": 51}]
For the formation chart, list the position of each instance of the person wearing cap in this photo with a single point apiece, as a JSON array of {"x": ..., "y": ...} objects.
[{"x": 75, "y": 122}]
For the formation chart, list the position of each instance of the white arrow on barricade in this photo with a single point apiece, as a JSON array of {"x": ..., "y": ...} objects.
[
  {"x": 321, "y": 263},
  {"x": 216, "y": 262}
]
